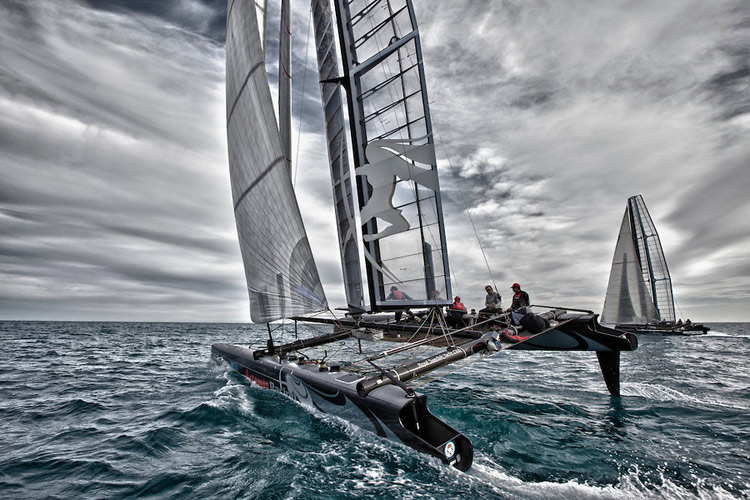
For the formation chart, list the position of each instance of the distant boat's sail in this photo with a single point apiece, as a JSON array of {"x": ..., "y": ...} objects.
[
  {"x": 281, "y": 275},
  {"x": 628, "y": 299},
  {"x": 651, "y": 259},
  {"x": 338, "y": 153},
  {"x": 399, "y": 197}
]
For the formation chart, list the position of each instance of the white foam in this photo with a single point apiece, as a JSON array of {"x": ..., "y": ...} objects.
[
  {"x": 629, "y": 486},
  {"x": 661, "y": 393}
]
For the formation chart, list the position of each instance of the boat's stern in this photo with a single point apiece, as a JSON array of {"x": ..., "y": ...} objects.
[{"x": 427, "y": 433}]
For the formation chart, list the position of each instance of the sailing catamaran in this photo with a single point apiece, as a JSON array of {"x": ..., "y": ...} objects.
[
  {"x": 639, "y": 295},
  {"x": 396, "y": 232}
]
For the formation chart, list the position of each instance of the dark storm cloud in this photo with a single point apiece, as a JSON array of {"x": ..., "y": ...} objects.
[
  {"x": 114, "y": 185},
  {"x": 114, "y": 191},
  {"x": 555, "y": 113},
  {"x": 731, "y": 87},
  {"x": 206, "y": 17}
]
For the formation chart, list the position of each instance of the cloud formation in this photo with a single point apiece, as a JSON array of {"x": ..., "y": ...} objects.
[
  {"x": 114, "y": 187},
  {"x": 555, "y": 113},
  {"x": 113, "y": 197}
]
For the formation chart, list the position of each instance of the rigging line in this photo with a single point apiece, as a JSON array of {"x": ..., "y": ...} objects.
[
  {"x": 302, "y": 97},
  {"x": 466, "y": 208}
]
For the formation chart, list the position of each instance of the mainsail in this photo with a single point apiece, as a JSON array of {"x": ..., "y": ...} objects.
[
  {"x": 639, "y": 289},
  {"x": 281, "y": 276},
  {"x": 393, "y": 149}
]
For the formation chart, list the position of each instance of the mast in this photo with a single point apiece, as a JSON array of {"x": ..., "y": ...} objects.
[
  {"x": 338, "y": 153},
  {"x": 285, "y": 82},
  {"x": 393, "y": 149}
]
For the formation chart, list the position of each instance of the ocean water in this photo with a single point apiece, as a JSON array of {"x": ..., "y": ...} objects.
[{"x": 139, "y": 410}]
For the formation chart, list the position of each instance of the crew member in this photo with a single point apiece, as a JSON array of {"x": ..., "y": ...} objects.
[
  {"x": 519, "y": 303},
  {"x": 397, "y": 294},
  {"x": 491, "y": 303},
  {"x": 520, "y": 298},
  {"x": 456, "y": 313}
]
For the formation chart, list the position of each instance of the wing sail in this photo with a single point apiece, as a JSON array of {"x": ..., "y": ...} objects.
[
  {"x": 398, "y": 190},
  {"x": 651, "y": 258},
  {"x": 338, "y": 153}
]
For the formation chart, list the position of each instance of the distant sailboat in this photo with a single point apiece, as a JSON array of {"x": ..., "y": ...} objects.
[
  {"x": 398, "y": 262},
  {"x": 639, "y": 294}
]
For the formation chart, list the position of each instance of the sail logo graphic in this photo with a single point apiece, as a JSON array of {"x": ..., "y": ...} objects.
[{"x": 390, "y": 159}]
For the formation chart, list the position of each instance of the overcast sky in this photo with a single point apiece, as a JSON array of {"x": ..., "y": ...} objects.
[{"x": 114, "y": 187}]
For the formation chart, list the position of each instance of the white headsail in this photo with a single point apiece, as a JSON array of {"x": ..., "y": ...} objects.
[{"x": 282, "y": 279}]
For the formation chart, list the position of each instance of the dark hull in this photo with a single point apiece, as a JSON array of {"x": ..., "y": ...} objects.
[
  {"x": 576, "y": 332},
  {"x": 570, "y": 332},
  {"x": 579, "y": 332},
  {"x": 387, "y": 411},
  {"x": 665, "y": 329},
  {"x": 566, "y": 332}
]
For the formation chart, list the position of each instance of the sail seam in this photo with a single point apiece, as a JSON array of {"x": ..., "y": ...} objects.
[
  {"x": 258, "y": 179},
  {"x": 242, "y": 89}
]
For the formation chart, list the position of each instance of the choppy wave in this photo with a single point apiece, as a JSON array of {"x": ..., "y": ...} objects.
[
  {"x": 656, "y": 392},
  {"x": 139, "y": 410}
]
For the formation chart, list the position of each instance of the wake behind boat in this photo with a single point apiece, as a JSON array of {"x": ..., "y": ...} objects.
[
  {"x": 392, "y": 246},
  {"x": 639, "y": 295}
]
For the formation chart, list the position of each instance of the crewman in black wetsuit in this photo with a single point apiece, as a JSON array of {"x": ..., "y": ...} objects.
[
  {"x": 520, "y": 298},
  {"x": 518, "y": 305}
]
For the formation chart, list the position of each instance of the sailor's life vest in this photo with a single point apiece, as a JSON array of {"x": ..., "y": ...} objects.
[{"x": 520, "y": 299}]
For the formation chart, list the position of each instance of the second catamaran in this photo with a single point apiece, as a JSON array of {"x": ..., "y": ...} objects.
[
  {"x": 391, "y": 235},
  {"x": 639, "y": 294}
]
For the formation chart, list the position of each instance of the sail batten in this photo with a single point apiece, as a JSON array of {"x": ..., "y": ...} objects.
[{"x": 281, "y": 275}]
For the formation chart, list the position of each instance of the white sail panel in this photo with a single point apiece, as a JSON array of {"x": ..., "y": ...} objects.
[
  {"x": 628, "y": 299},
  {"x": 281, "y": 275},
  {"x": 399, "y": 195}
]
